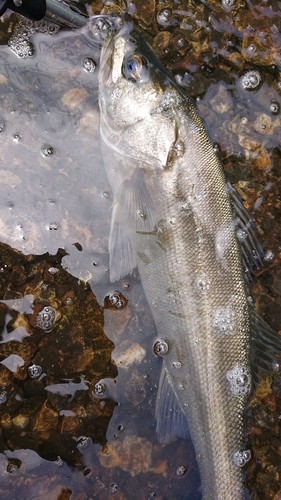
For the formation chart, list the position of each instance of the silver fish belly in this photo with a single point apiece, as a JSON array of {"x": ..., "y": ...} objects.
[{"x": 173, "y": 218}]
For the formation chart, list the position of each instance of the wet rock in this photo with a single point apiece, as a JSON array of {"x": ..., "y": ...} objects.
[
  {"x": 133, "y": 454},
  {"x": 46, "y": 419},
  {"x": 263, "y": 432},
  {"x": 73, "y": 98},
  {"x": 20, "y": 421},
  {"x": 222, "y": 101},
  {"x": 128, "y": 354},
  {"x": 76, "y": 344}
]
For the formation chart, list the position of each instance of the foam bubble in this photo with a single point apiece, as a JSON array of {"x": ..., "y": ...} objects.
[
  {"x": 239, "y": 379},
  {"x": 224, "y": 320},
  {"x": 161, "y": 347},
  {"x": 251, "y": 79},
  {"x": 34, "y": 371},
  {"x": 99, "y": 389},
  {"x": 240, "y": 458},
  {"x": 45, "y": 319}
]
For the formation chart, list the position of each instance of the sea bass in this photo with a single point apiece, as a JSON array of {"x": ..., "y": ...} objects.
[{"x": 174, "y": 218}]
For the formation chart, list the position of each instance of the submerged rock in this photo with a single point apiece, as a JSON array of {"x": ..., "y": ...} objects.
[{"x": 75, "y": 350}]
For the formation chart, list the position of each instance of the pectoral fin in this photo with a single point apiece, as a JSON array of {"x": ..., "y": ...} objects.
[
  {"x": 122, "y": 252},
  {"x": 133, "y": 212},
  {"x": 137, "y": 205},
  {"x": 171, "y": 422}
]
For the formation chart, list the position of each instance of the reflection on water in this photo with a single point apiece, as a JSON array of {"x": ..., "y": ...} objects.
[
  {"x": 50, "y": 149},
  {"x": 57, "y": 382},
  {"x": 56, "y": 378}
]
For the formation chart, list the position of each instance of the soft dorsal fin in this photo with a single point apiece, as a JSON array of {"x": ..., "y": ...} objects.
[
  {"x": 246, "y": 231},
  {"x": 265, "y": 348}
]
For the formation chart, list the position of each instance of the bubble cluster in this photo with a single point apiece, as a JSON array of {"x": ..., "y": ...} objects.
[
  {"x": 117, "y": 300},
  {"x": 45, "y": 319},
  {"x": 251, "y": 79},
  {"x": 228, "y": 4},
  {"x": 89, "y": 65},
  {"x": 224, "y": 320},
  {"x": 216, "y": 148},
  {"x": 252, "y": 49},
  {"x": 53, "y": 270},
  {"x": 241, "y": 234},
  {"x": 99, "y": 389},
  {"x": 21, "y": 47},
  {"x": 274, "y": 108},
  {"x": 47, "y": 150},
  {"x": 101, "y": 27},
  {"x": 181, "y": 43},
  {"x": 12, "y": 468},
  {"x": 34, "y": 371},
  {"x": 19, "y": 41},
  {"x": 113, "y": 487},
  {"x": 165, "y": 18},
  {"x": 53, "y": 226},
  {"x": 240, "y": 458},
  {"x": 83, "y": 442},
  {"x": 161, "y": 347},
  {"x": 59, "y": 461},
  {"x": 181, "y": 471},
  {"x": 176, "y": 364},
  {"x": 239, "y": 379},
  {"x": 203, "y": 284}
]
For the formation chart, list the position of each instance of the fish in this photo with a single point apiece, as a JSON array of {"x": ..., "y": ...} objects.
[{"x": 179, "y": 221}]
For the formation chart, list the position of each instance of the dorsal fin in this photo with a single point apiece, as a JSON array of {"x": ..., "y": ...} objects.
[
  {"x": 246, "y": 231},
  {"x": 265, "y": 348}
]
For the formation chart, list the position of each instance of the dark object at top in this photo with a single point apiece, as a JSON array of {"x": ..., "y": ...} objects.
[{"x": 58, "y": 12}]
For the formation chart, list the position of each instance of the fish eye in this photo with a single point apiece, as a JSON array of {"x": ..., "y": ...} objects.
[{"x": 133, "y": 67}]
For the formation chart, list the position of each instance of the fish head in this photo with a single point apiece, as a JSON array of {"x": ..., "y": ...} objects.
[{"x": 137, "y": 99}]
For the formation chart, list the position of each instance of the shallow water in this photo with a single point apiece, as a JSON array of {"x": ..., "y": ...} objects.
[{"x": 54, "y": 194}]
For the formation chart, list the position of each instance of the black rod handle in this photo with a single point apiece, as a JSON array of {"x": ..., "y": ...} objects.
[{"x": 33, "y": 9}]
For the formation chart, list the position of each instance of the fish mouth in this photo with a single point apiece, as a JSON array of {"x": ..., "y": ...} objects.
[
  {"x": 112, "y": 55},
  {"x": 106, "y": 63}
]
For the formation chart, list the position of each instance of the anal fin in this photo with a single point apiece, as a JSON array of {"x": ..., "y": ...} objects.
[{"x": 171, "y": 422}]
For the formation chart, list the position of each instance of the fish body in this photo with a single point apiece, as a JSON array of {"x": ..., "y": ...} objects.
[{"x": 173, "y": 218}]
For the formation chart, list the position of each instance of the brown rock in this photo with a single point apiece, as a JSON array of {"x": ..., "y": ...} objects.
[
  {"x": 46, "y": 419},
  {"x": 133, "y": 454}
]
